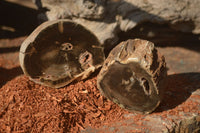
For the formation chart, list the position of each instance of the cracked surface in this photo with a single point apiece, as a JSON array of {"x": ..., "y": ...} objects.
[
  {"x": 133, "y": 76},
  {"x": 108, "y": 18},
  {"x": 58, "y": 52}
]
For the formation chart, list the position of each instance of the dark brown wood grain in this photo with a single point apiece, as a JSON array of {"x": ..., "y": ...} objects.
[
  {"x": 59, "y": 52},
  {"x": 133, "y": 76}
]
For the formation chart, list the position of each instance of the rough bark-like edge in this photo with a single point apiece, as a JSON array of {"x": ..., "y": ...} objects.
[{"x": 158, "y": 73}]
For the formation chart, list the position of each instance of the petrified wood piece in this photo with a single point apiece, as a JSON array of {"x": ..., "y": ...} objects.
[
  {"x": 133, "y": 76},
  {"x": 60, "y": 51}
]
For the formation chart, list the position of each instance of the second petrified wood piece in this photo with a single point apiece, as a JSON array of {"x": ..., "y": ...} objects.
[
  {"x": 60, "y": 51},
  {"x": 133, "y": 76}
]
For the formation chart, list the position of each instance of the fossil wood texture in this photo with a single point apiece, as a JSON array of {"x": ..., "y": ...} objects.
[
  {"x": 133, "y": 76},
  {"x": 58, "y": 52}
]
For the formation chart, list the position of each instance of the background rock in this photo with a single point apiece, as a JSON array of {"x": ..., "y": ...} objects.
[{"x": 108, "y": 18}]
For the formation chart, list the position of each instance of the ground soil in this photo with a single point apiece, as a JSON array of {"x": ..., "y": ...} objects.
[{"x": 29, "y": 107}]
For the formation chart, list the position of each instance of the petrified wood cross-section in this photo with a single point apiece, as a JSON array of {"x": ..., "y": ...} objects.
[
  {"x": 60, "y": 51},
  {"x": 133, "y": 76}
]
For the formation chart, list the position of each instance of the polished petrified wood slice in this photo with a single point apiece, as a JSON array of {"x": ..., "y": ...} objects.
[
  {"x": 133, "y": 76},
  {"x": 58, "y": 52}
]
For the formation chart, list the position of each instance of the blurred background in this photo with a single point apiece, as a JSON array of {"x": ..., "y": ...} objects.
[{"x": 20, "y": 17}]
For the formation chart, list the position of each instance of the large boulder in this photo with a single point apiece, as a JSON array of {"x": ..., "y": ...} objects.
[{"x": 106, "y": 18}]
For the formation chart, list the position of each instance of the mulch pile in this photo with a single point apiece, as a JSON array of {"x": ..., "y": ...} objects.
[{"x": 29, "y": 107}]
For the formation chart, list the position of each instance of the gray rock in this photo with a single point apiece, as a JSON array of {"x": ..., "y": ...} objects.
[{"x": 107, "y": 18}]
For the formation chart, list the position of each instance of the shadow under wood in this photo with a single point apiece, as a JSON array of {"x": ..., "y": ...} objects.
[
  {"x": 162, "y": 35},
  {"x": 9, "y": 49},
  {"x": 16, "y": 20},
  {"x": 8, "y": 74},
  {"x": 179, "y": 88}
]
